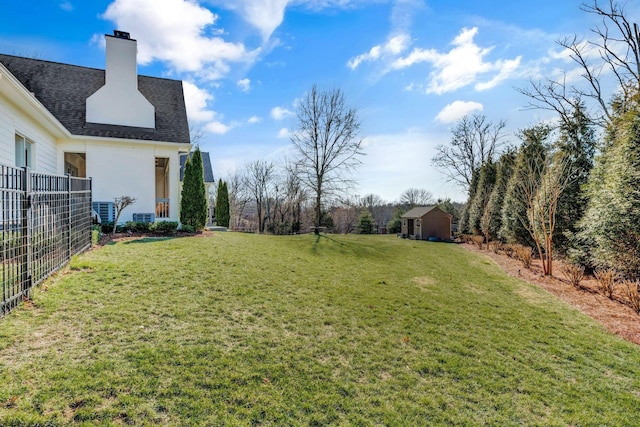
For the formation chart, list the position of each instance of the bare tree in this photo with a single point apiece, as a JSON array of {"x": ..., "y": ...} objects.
[
  {"x": 326, "y": 143},
  {"x": 475, "y": 140},
  {"x": 416, "y": 197},
  {"x": 614, "y": 51},
  {"x": 238, "y": 199},
  {"x": 257, "y": 179},
  {"x": 541, "y": 197},
  {"x": 120, "y": 204}
]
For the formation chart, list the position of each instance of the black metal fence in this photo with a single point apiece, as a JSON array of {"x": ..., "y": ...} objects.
[{"x": 44, "y": 220}]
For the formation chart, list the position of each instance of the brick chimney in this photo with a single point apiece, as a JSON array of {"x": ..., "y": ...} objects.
[{"x": 119, "y": 102}]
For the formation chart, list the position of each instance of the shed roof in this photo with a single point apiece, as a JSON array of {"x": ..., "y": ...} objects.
[
  {"x": 419, "y": 211},
  {"x": 63, "y": 89}
]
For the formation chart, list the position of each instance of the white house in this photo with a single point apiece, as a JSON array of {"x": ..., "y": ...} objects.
[{"x": 123, "y": 130}]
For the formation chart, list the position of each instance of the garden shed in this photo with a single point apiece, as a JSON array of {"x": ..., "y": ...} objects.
[{"x": 426, "y": 223}]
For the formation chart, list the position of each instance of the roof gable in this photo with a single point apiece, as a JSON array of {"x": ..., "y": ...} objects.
[
  {"x": 420, "y": 211},
  {"x": 206, "y": 163},
  {"x": 63, "y": 89}
]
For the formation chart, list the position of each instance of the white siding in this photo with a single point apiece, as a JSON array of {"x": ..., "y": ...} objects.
[
  {"x": 126, "y": 169},
  {"x": 14, "y": 121}
]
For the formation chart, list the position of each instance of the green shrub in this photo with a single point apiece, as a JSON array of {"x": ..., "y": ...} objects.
[
  {"x": 165, "y": 228},
  {"x": 137, "y": 226},
  {"x": 96, "y": 232},
  {"x": 188, "y": 228}
]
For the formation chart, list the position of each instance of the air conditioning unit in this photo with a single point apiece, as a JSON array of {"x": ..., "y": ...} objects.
[
  {"x": 106, "y": 211},
  {"x": 144, "y": 217}
]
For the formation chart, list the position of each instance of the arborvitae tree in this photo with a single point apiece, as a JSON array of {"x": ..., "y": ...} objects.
[
  {"x": 464, "y": 217},
  {"x": 193, "y": 204},
  {"x": 494, "y": 207},
  {"x": 222, "y": 205},
  {"x": 514, "y": 209},
  {"x": 395, "y": 225},
  {"x": 611, "y": 224},
  {"x": 481, "y": 198},
  {"x": 366, "y": 224},
  {"x": 447, "y": 206},
  {"x": 577, "y": 144}
]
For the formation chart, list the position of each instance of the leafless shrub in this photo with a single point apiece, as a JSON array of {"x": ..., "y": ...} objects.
[
  {"x": 498, "y": 247},
  {"x": 509, "y": 250},
  {"x": 606, "y": 281},
  {"x": 525, "y": 255},
  {"x": 631, "y": 291},
  {"x": 478, "y": 240},
  {"x": 574, "y": 274}
]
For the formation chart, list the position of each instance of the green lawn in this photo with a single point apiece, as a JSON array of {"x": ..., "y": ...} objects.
[{"x": 240, "y": 329}]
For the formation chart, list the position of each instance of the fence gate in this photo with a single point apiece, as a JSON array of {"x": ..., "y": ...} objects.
[{"x": 44, "y": 220}]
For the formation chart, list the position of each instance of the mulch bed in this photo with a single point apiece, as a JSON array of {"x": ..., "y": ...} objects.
[
  {"x": 122, "y": 237},
  {"x": 615, "y": 314}
]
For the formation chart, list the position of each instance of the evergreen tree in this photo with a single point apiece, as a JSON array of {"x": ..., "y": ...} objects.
[
  {"x": 464, "y": 217},
  {"x": 193, "y": 204},
  {"x": 395, "y": 224},
  {"x": 366, "y": 224},
  {"x": 494, "y": 207},
  {"x": 222, "y": 205},
  {"x": 577, "y": 144},
  {"x": 514, "y": 209},
  {"x": 485, "y": 185},
  {"x": 610, "y": 229},
  {"x": 447, "y": 206}
]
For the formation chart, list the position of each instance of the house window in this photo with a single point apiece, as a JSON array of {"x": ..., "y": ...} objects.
[
  {"x": 75, "y": 164},
  {"x": 24, "y": 151}
]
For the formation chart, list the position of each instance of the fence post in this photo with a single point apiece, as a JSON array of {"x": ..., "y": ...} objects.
[
  {"x": 25, "y": 274},
  {"x": 68, "y": 219}
]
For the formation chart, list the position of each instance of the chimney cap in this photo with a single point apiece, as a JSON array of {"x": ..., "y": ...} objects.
[{"x": 121, "y": 34}]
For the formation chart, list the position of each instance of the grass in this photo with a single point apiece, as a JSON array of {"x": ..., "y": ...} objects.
[{"x": 342, "y": 330}]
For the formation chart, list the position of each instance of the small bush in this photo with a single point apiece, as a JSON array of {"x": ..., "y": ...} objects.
[
  {"x": 525, "y": 255},
  {"x": 574, "y": 274},
  {"x": 96, "y": 232},
  {"x": 137, "y": 226},
  {"x": 606, "y": 281},
  {"x": 632, "y": 293},
  {"x": 165, "y": 228},
  {"x": 188, "y": 228},
  {"x": 107, "y": 227},
  {"x": 498, "y": 247},
  {"x": 477, "y": 240},
  {"x": 509, "y": 250}
]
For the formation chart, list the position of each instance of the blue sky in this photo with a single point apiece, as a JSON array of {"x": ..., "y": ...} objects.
[{"x": 412, "y": 68}]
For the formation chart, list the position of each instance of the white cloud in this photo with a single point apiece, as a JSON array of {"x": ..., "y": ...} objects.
[
  {"x": 244, "y": 85},
  {"x": 176, "y": 31},
  {"x": 197, "y": 103},
  {"x": 267, "y": 15},
  {"x": 394, "y": 46},
  {"x": 463, "y": 65},
  {"x": 254, "y": 119},
  {"x": 217, "y": 127},
  {"x": 456, "y": 110},
  {"x": 66, "y": 6},
  {"x": 196, "y": 100},
  {"x": 279, "y": 113},
  {"x": 284, "y": 133}
]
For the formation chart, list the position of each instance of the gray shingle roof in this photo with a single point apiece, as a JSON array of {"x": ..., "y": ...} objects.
[
  {"x": 206, "y": 163},
  {"x": 418, "y": 212},
  {"x": 63, "y": 89}
]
